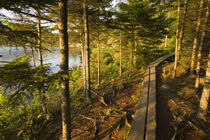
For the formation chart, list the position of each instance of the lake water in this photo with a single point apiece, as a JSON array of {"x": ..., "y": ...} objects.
[{"x": 52, "y": 57}]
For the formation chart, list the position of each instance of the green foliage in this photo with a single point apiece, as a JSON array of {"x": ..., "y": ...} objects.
[
  {"x": 109, "y": 65},
  {"x": 77, "y": 101},
  {"x": 135, "y": 97},
  {"x": 145, "y": 18},
  {"x": 108, "y": 58},
  {"x": 19, "y": 76},
  {"x": 20, "y": 121},
  {"x": 76, "y": 80},
  {"x": 113, "y": 111},
  {"x": 15, "y": 72},
  {"x": 126, "y": 131},
  {"x": 21, "y": 114},
  {"x": 140, "y": 25},
  {"x": 17, "y": 34},
  {"x": 112, "y": 63}
]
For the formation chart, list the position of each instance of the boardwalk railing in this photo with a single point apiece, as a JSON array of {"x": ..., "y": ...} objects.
[{"x": 144, "y": 123}]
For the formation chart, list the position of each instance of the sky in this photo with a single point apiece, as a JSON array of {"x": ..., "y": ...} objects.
[
  {"x": 7, "y": 13},
  {"x": 12, "y": 15}
]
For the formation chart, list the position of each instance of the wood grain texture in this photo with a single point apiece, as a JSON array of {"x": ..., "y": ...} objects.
[{"x": 144, "y": 124}]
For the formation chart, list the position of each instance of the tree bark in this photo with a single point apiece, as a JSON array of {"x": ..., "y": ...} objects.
[
  {"x": 25, "y": 52},
  {"x": 166, "y": 41},
  {"x": 83, "y": 61},
  {"x": 98, "y": 48},
  {"x": 181, "y": 35},
  {"x": 177, "y": 40},
  {"x": 63, "y": 43},
  {"x": 39, "y": 34},
  {"x": 10, "y": 50},
  {"x": 200, "y": 49},
  {"x": 135, "y": 47},
  {"x": 205, "y": 94},
  {"x": 195, "y": 42},
  {"x": 87, "y": 50},
  {"x": 33, "y": 58},
  {"x": 132, "y": 44},
  {"x": 120, "y": 52}
]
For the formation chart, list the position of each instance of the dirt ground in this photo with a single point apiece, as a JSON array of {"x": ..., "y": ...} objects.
[
  {"x": 108, "y": 118},
  {"x": 177, "y": 105}
]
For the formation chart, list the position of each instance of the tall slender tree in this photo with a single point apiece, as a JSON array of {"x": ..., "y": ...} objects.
[
  {"x": 39, "y": 34},
  {"x": 63, "y": 43},
  {"x": 132, "y": 43},
  {"x": 87, "y": 50},
  {"x": 98, "y": 42},
  {"x": 200, "y": 48},
  {"x": 195, "y": 41},
  {"x": 166, "y": 41},
  {"x": 120, "y": 52},
  {"x": 83, "y": 61},
  {"x": 33, "y": 57},
  {"x": 135, "y": 46},
  {"x": 182, "y": 30},
  {"x": 177, "y": 40},
  {"x": 203, "y": 106}
]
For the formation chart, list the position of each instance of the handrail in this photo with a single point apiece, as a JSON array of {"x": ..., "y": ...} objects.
[{"x": 143, "y": 126}]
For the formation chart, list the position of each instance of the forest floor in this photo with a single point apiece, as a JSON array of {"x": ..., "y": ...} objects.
[
  {"x": 108, "y": 118},
  {"x": 177, "y": 105},
  {"x": 110, "y": 115}
]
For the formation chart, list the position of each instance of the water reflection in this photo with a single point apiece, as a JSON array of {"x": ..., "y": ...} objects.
[{"x": 51, "y": 57}]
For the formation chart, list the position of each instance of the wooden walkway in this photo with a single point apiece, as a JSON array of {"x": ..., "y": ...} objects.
[{"x": 144, "y": 123}]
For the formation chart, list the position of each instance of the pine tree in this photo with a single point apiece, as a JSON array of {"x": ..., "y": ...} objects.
[
  {"x": 87, "y": 51},
  {"x": 195, "y": 42},
  {"x": 39, "y": 34},
  {"x": 203, "y": 106},
  {"x": 177, "y": 40},
  {"x": 200, "y": 49},
  {"x": 63, "y": 39},
  {"x": 182, "y": 30}
]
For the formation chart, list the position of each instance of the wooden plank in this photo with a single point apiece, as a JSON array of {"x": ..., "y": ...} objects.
[
  {"x": 159, "y": 60},
  {"x": 151, "y": 114},
  {"x": 144, "y": 122},
  {"x": 137, "y": 131}
]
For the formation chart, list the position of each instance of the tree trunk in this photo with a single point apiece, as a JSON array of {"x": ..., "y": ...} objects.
[
  {"x": 166, "y": 41},
  {"x": 120, "y": 52},
  {"x": 83, "y": 61},
  {"x": 181, "y": 35},
  {"x": 33, "y": 58},
  {"x": 63, "y": 43},
  {"x": 195, "y": 42},
  {"x": 200, "y": 49},
  {"x": 98, "y": 48},
  {"x": 87, "y": 50},
  {"x": 177, "y": 40},
  {"x": 132, "y": 45},
  {"x": 39, "y": 42},
  {"x": 25, "y": 52},
  {"x": 10, "y": 50},
  {"x": 16, "y": 43},
  {"x": 39, "y": 38},
  {"x": 205, "y": 94},
  {"x": 135, "y": 48},
  {"x": 131, "y": 54}
]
